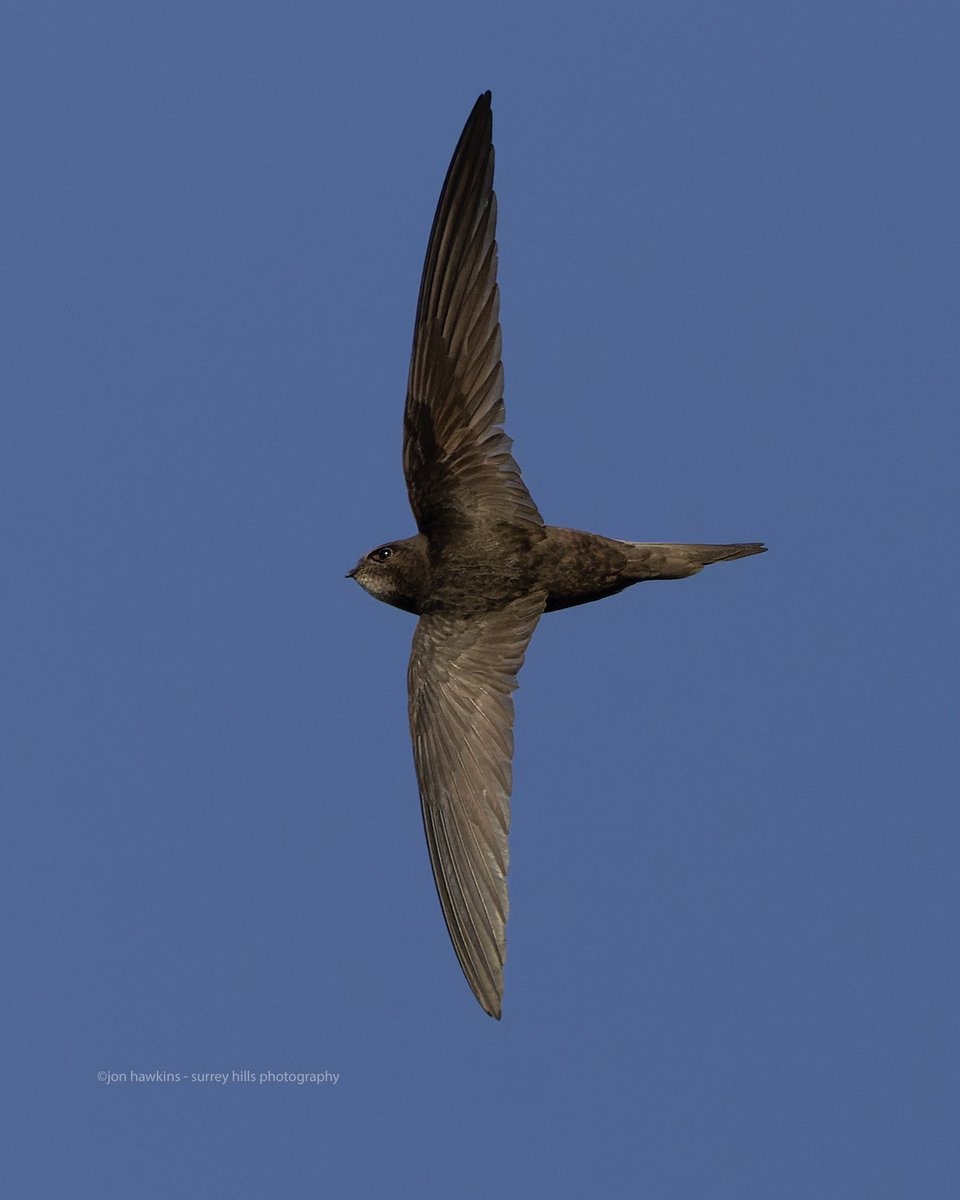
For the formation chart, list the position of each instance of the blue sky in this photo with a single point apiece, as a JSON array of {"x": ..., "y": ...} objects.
[{"x": 729, "y": 252}]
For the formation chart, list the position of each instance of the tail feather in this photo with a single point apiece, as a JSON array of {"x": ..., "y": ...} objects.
[{"x": 676, "y": 560}]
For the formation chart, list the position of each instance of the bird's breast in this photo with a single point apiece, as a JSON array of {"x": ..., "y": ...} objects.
[{"x": 483, "y": 570}]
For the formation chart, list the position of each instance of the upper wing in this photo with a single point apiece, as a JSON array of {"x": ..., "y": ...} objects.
[
  {"x": 456, "y": 457},
  {"x": 462, "y": 674}
]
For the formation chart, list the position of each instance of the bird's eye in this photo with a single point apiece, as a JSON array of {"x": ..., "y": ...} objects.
[{"x": 382, "y": 554}]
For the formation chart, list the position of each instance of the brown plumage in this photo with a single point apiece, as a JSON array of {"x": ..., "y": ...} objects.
[{"x": 484, "y": 566}]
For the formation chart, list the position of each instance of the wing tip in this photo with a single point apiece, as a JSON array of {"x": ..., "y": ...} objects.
[
  {"x": 492, "y": 1006},
  {"x": 482, "y": 112}
]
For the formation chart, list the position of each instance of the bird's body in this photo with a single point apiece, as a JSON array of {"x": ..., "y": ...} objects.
[
  {"x": 484, "y": 566},
  {"x": 569, "y": 566}
]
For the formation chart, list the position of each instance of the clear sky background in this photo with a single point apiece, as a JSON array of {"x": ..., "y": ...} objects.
[{"x": 729, "y": 260}]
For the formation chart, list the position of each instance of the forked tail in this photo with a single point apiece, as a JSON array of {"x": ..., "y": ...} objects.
[{"x": 676, "y": 560}]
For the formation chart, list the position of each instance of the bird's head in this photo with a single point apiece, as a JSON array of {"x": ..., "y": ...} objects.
[{"x": 396, "y": 573}]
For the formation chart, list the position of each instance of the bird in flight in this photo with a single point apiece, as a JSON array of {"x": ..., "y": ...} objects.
[{"x": 483, "y": 567}]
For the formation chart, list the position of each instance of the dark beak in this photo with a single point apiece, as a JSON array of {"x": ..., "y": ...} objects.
[{"x": 351, "y": 574}]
